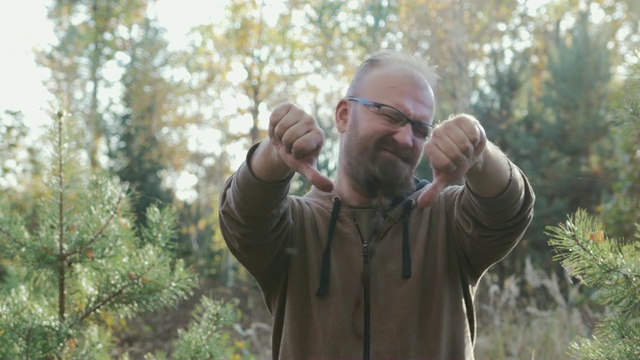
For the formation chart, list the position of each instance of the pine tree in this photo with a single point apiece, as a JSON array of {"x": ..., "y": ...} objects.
[
  {"x": 563, "y": 140},
  {"x": 622, "y": 211},
  {"x": 611, "y": 266},
  {"x": 84, "y": 262}
]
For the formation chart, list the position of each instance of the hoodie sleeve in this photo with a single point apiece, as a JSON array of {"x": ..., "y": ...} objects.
[
  {"x": 489, "y": 228},
  {"x": 255, "y": 221}
]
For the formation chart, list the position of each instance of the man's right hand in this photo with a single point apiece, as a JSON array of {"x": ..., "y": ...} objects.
[{"x": 297, "y": 139}]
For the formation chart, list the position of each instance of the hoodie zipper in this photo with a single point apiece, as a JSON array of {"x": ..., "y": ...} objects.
[
  {"x": 366, "y": 280},
  {"x": 366, "y": 272},
  {"x": 366, "y": 285}
]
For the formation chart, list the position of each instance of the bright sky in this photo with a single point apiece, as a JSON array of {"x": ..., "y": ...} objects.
[{"x": 24, "y": 27}]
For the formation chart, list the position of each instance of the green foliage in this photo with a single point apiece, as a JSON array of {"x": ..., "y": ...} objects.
[
  {"x": 621, "y": 212},
  {"x": 20, "y": 166},
  {"x": 209, "y": 335},
  {"x": 90, "y": 35},
  {"x": 562, "y": 139},
  {"x": 612, "y": 267},
  {"x": 12, "y": 132},
  {"x": 140, "y": 155},
  {"x": 608, "y": 265},
  {"x": 84, "y": 259}
]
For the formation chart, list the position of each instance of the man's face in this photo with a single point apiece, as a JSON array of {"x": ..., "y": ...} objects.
[{"x": 380, "y": 157}]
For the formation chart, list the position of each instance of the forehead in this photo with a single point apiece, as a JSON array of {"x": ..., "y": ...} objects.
[{"x": 402, "y": 87}]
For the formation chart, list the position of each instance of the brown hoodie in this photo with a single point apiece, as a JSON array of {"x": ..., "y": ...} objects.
[{"x": 406, "y": 294}]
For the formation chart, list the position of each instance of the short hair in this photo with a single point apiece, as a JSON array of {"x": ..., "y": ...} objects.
[{"x": 391, "y": 57}]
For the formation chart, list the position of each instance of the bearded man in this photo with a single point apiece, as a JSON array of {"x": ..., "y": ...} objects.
[{"x": 378, "y": 264}]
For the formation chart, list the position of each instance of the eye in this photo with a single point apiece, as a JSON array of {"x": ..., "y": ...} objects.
[
  {"x": 392, "y": 115},
  {"x": 421, "y": 129}
]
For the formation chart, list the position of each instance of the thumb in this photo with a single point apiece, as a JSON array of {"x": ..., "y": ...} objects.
[
  {"x": 316, "y": 179},
  {"x": 429, "y": 195},
  {"x": 304, "y": 168}
]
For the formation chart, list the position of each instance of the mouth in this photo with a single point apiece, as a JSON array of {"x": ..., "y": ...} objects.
[{"x": 403, "y": 156}]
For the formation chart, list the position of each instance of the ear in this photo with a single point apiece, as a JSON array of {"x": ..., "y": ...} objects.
[{"x": 342, "y": 115}]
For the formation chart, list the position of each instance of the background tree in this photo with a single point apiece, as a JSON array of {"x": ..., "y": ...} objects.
[
  {"x": 454, "y": 36},
  {"x": 563, "y": 142},
  {"x": 141, "y": 152},
  {"x": 622, "y": 211},
  {"x": 20, "y": 171},
  {"x": 89, "y": 37},
  {"x": 252, "y": 61},
  {"x": 13, "y": 132}
]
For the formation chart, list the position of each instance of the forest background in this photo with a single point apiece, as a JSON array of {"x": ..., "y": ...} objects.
[{"x": 547, "y": 80}]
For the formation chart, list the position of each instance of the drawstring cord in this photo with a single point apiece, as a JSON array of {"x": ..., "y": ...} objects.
[
  {"x": 406, "y": 252},
  {"x": 323, "y": 289}
]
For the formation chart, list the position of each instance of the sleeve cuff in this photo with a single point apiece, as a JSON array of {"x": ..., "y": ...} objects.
[
  {"x": 258, "y": 189},
  {"x": 511, "y": 198}
]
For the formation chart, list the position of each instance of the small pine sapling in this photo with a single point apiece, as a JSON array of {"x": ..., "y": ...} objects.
[{"x": 83, "y": 261}]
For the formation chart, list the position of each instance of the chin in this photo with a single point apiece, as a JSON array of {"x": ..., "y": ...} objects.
[
  {"x": 396, "y": 169},
  {"x": 394, "y": 181}
]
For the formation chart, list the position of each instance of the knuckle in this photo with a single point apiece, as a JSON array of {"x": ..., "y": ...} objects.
[
  {"x": 449, "y": 167},
  {"x": 307, "y": 119},
  {"x": 459, "y": 158},
  {"x": 467, "y": 118},
  {"x": 429, "y": 149},
  {"x": 437, "y": 134},
  {"x": 468, "y": 149}
]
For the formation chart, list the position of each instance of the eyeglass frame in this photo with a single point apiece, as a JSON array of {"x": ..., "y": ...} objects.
[{"x": 399, "y": 122}]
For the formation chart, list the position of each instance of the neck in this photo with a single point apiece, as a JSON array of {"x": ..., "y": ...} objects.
[{"x": 350, "y": 194}]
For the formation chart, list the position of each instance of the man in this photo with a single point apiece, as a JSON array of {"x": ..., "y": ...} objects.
[{"x": 380, "y": 264}]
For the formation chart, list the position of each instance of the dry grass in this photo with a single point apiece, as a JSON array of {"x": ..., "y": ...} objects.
[{"x": 533, "y": 317}]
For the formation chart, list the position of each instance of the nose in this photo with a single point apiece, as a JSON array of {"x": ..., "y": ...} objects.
[{"x": 404, "y": 136}]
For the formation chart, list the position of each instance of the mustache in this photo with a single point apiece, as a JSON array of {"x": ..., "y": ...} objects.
[{"x": 406, "y": 155}]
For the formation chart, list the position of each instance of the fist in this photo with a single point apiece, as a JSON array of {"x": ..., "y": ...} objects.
[
  {"x": 454, "y": 147},
  {"x": 298, "y": 138}
]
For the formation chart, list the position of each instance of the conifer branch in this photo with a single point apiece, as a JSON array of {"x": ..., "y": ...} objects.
[
  {"x": 112, "y": 296},
  {"x": 103, "y": 302},
  {"x": 588, "y": 255},
  {"x": 585, "y": 261},
  {"x": 11, "y": 238},
  {"x": 97, "y": 235}
]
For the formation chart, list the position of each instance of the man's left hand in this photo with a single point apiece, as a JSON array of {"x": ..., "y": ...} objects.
[{"x": 455, "y": 146}]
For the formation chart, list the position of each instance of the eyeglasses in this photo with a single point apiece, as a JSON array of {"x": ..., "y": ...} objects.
[{"x": 396, "y": 117}]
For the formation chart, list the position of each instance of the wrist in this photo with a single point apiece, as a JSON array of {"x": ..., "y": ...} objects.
[
  {"x": 265, "y": 163},
  {"x": 491, "y": 172}
]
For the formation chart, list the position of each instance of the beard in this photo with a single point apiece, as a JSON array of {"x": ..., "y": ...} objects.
[{"x": 382, "y": 170}]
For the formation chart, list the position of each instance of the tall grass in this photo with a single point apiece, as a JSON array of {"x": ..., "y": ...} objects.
[{"x": 532, "y": 317}]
